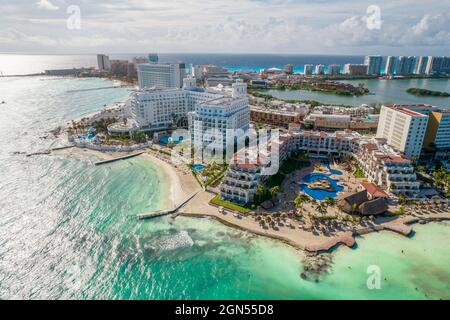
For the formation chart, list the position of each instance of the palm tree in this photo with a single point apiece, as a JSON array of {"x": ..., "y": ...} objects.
[
  {"x": 322, "y": 208},
  {"x": 402, "y": 198},
  {"x": 174, "y": 119},
  {"x": 274, "y": 191},
  {"x": 354, "y": 208},
  {"x": 330, "y": 201},
  {"x": 301, "y": 199},
  {"x": 441, "y": 178}
]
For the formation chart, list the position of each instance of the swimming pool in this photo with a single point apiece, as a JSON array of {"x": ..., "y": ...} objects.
[
  {"x": 320, "y": 194},
  {"x": 167, "y": 139},
  {"x": 88, "y": 137},
  {"x": 198, "y": 167},
  {"x": 332, "y": 171}
]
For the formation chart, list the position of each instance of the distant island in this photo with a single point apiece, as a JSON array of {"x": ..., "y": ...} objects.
[{"x": 425, "y": 92}]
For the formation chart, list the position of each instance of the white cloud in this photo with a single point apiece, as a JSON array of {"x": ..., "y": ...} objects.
[
  {"x": 47, "y": 5},
  {"x": 285, "y": 26},
  {"x": 432, "y": 24}
]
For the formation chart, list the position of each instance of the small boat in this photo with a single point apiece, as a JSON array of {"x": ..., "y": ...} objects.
[{"x": 3, "y": 102}]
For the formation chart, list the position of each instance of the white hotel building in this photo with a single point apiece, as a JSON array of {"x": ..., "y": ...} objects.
[
  {"x": 212, "y": 119},
  {"x": 403, "y": 128},
  {"x": 411, "y": 128},
  {"x": 161, "y": 75},
  {"x": 216, "y": 108}
]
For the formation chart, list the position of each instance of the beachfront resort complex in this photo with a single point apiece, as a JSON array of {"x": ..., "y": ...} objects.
[
  {"x": 385, "y": 142},
  {"x": 177, "y": 151},
  {"x": 311, "y": 174}
]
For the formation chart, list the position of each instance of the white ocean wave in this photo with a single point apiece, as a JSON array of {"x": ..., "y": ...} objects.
[{"x": 173, "y": 242}]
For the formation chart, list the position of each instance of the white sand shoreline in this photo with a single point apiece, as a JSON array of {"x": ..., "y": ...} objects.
[{"x": 181, "y": 184}]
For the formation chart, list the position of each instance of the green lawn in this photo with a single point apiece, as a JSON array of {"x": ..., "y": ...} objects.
[
  {"x": 396, "y": 213},
  {"x": 358, "y": 173},
  {"x": 219, "y": 202}
]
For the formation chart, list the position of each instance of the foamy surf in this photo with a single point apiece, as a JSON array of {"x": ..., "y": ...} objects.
[{"x": 173, "y": 242}]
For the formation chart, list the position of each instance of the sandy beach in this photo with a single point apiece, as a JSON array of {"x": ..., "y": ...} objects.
[{"x": 182, "y": 184}]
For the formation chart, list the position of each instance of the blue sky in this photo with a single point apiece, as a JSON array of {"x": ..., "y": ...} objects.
[{"x": 407, "y": 27}]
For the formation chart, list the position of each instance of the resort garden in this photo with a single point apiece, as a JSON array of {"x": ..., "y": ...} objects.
[
  {"x": 209, "y": 174},
  {"x": 436, "y": 175},
  {"x": 99, "y": 130}
]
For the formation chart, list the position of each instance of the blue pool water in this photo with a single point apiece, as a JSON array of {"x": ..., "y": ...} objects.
[
  {"x": 332, "y": 171},
  {"x": 166, "y": 139},
  {"x": 198, "y": 167},
  {"x": 320, "y": 194},
  {"x": 88, "y": 137}
]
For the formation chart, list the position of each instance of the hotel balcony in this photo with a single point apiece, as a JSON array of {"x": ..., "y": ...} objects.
[
  {"x": 401, "y": 186},
  {"x": 400, "y": 170},
  {"x": 236, "y": 197},
  {"x": 233, "y": 189},
  {"x": 239, "y": 183},
  {"x": 243, "y": 177},
  {"x": 402, "y": 178}
]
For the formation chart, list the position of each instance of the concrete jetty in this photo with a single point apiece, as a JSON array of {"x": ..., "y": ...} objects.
[
  {"x": 118, "y": 158},
  {"x": 62, "y": 148},
  {"x": 41, "y": 153},
  {"x": 400, "y": 228},
  {"x": 100, "y": 88},
  {"x": 161, "y": 213},
  {"x": 345, "y": 238},
  {"x": 46, "y": 152}
]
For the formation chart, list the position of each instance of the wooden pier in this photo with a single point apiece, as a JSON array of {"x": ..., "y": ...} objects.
[
  {"x": 161, "y": 213},
  {"x": 118, "y": 158}
]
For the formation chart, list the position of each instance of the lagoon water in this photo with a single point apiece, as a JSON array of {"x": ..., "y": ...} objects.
[
  {"x": 67, "y": 227},
  {"x": 382, "y": 91}
]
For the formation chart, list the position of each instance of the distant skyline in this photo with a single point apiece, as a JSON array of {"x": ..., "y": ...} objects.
[{"x": 340, "y": 27}]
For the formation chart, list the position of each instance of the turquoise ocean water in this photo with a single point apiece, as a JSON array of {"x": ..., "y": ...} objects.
[{"x": 67, "y": 227}]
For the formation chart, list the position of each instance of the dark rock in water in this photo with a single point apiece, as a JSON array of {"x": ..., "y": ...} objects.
[{"x": 315, "y": 267}]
